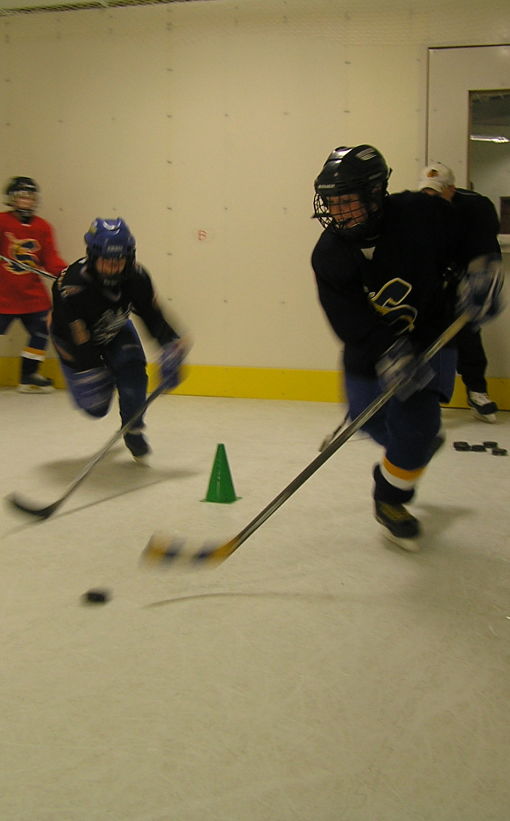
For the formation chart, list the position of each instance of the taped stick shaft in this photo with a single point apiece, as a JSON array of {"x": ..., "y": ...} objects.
[
  {"x": 28, "y": 268},
  {"x": 225, "y": 550}
]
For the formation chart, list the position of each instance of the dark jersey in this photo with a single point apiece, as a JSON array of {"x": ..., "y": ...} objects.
[
  {"x": 478, "y": 226},
  {"x": 403, "y": 288},
  {"x": 87, "y": 315}
]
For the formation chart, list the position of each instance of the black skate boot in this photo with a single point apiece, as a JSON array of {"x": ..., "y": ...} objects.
[
  {"x": 35, "y": 384},
  {"x": 137, "y": 444},
  {"x": 400, "y": 526}
]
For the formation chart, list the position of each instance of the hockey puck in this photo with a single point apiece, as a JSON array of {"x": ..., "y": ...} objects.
[
  {"x": 499, "y": 451},
  {"x": 490, "y": 444},
  {"x": 462, "y": 446},
  {"x": 96, "y": 596},
  {"x": 478, "y": 448}
]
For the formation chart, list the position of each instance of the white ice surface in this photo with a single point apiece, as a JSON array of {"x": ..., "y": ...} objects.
[{"x": 317, "y": 675}]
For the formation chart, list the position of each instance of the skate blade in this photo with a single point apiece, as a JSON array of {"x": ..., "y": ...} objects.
[
  {"x": 487, "y": 417},
  {"x": 144, "y": 461},
  {"x": 35, "y": 389},
  {"x": 409, "y": 545}
]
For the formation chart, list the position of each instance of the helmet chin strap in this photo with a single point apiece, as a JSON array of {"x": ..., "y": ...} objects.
[{"x": 24, "y": 216}]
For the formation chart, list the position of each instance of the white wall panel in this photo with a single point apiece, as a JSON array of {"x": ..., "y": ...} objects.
[{"x": 217, "y": 117}]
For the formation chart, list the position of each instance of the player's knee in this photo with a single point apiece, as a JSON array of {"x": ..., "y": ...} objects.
[{"x": 97, "y": 411}]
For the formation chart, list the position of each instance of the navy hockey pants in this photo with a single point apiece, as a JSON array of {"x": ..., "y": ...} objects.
[
  {"x": 406, "y": 430},
  {"x": 34, "y": 351},
  {"x": 123, "y": 368},
  {"x": 472, "y": 362}
]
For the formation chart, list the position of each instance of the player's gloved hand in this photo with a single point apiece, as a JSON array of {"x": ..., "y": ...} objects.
[
  {"x": 399, "y": 366},
  {"x": 479, "y": 292},
  {"x": 170, "y": 360}
]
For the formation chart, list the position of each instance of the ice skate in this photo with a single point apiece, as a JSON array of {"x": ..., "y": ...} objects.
[
  {"x": 137, "y": 444},
  {"x": 400, "y": 526},
  {"x": 35, "y": 384},
  {"x": 482, "y": 406},
  {"x": 437, "y": 443}
]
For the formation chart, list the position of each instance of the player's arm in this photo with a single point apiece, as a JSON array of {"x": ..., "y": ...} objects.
[
  {"x": 173, "y": 349},
  {"x": 49, "y": 255},
  {"x": 146, "y": 306}
]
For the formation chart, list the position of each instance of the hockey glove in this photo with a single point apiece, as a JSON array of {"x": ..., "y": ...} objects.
[
  {"x": 399, "y": 366},
  {"x": 479, "y": 292},
  {"x": 170, "y": 360}
]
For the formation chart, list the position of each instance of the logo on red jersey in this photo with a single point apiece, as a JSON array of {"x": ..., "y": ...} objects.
[{"x": 23, "y": 251}]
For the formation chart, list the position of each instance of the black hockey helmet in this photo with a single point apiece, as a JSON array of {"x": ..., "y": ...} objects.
[
  {"x": 360, "y": 170},
  {"x": 21, "y": 185}
]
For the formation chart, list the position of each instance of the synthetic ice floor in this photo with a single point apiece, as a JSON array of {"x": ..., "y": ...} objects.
[{"x": 317, "y": 675}]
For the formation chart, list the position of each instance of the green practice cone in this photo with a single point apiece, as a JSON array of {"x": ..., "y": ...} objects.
[{"x": 221, "y": 486}]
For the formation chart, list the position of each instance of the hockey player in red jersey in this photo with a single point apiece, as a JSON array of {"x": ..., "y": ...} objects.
[{"x": 27, "y": 239}]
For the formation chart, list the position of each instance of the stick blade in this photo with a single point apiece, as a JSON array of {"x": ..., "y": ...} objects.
[
  {"x": 41, "y": 512},
  {"x": 164, "y": 550}
]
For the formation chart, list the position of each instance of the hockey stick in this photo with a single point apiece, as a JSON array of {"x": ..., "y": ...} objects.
[
  {"x": 167, "y": 549},
  {"x": 44, "y": 512},
  {"x": 25, "y": 267},
  {"x": 329, "y": 438}
]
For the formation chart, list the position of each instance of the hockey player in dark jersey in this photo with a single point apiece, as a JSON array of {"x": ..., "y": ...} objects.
[
  {"x": 478, "y": 228},
  {"x": 381, "y": 267},
  {"x": 94, "y": 337}
]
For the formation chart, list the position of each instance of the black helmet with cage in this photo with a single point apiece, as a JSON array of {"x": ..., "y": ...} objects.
[
  {"x": 362, "y": 171},
  {"x": 26, "y": 189}
]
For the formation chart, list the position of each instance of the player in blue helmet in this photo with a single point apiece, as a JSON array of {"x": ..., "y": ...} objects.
[
  {"x": 110, "y": 249},
  {"x": 94, "y": 337}
]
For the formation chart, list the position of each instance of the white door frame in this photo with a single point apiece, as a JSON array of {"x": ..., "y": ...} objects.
[{"x": 452, "y": 73}]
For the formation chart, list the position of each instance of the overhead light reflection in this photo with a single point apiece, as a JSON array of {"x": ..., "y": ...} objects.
[{"x": 486, "y": 138}]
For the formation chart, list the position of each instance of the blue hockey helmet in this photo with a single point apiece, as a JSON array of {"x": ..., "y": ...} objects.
[
  {"x": 360, "y": 170},
  {"x": 111, "y": 239}
]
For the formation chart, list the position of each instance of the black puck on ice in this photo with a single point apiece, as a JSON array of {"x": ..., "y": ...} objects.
[
  {"x": 499, "y": 451},
  {"x": 462, "y": 446},
  {"x": 490, "y": 444},
  {"x": 478, "y": 448},
  {"x": 96, "y": 596}
]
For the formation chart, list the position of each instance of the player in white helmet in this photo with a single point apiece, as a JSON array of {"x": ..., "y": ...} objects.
[{"x": 478, "y": 227}]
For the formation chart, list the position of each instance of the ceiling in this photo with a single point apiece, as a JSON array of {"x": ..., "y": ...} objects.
[{"x": 10, "y": 7}]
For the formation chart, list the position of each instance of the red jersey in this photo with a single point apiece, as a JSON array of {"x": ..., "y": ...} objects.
[{"x": 20, "y": 291}]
